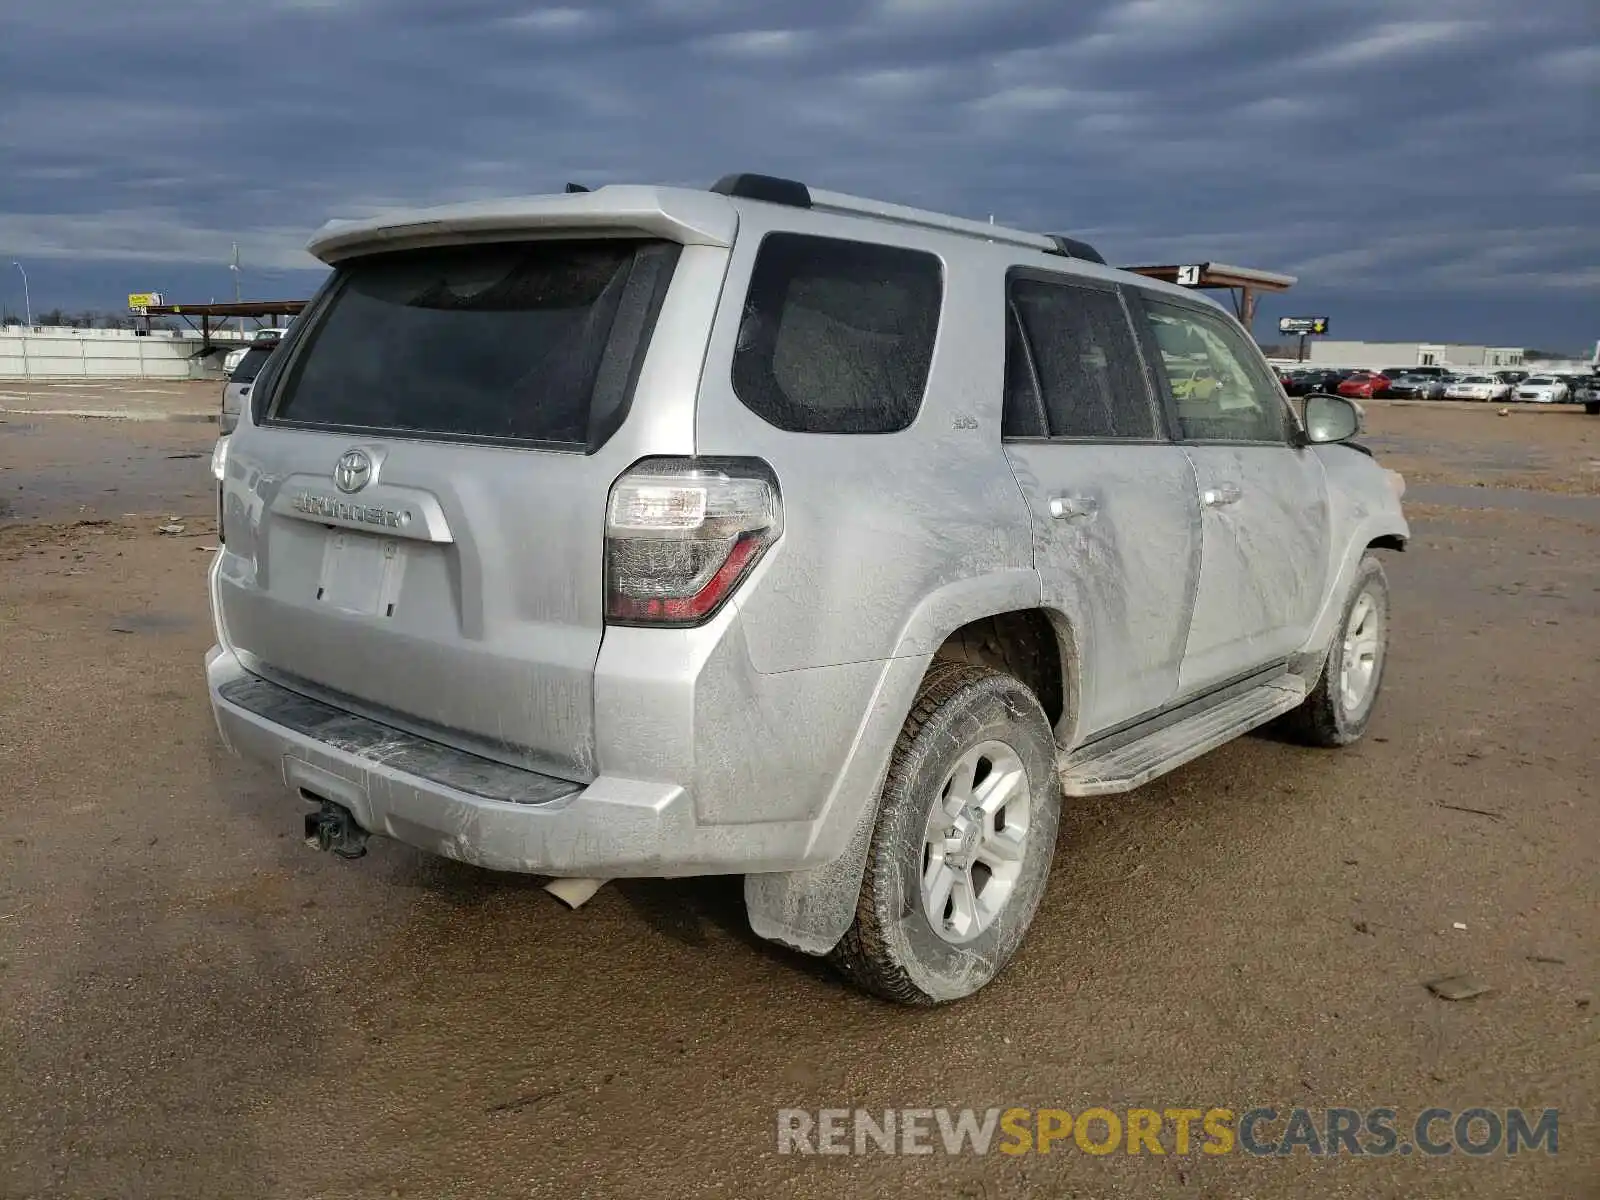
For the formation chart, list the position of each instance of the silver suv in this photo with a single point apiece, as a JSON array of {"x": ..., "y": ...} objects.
[{"x": 770, "y": 531}]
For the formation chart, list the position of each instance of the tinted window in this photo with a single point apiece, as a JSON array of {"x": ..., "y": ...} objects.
[
  {"x": 250, "y": 365},
  {"x": 837, "y": 336},
  {"x": 1023, "y": 414},
  {"x": 1220, "y": 391},
  {"x": 1082, "y": 353},
  {"x": 535, "y": 341}
]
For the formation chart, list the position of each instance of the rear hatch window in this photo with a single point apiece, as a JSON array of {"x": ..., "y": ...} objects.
[{"x": 528, "y": 342}]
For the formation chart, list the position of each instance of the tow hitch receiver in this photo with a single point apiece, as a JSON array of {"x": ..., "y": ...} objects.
[{"x": 333, "y": 828}]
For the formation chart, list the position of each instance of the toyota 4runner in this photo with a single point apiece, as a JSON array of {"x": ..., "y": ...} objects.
[{"x": 770, "y": 531}]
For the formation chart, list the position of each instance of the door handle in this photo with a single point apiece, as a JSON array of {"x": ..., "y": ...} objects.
[
  {"x": 1221, "y": 494},
  {"x": 1073, "y": 508}
]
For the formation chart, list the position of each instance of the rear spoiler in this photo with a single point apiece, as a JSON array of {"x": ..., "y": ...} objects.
[{"x": 692, "y": 218}]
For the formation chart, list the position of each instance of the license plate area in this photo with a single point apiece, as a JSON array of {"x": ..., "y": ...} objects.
[{"x": 360, "y": 573}]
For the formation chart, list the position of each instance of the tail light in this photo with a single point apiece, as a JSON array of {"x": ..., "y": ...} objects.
[
  {"x": 219, "y": 472},
  {"x": 682, "y": 533}
]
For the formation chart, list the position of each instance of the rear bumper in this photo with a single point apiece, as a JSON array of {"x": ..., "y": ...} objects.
[{"x": 468, "y": 808}]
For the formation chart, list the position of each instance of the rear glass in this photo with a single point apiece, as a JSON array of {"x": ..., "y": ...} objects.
[
  {"x": 837, "y": 336},
  {"x": 250, "y": 365},
  {"x": 532, "y": 341}
]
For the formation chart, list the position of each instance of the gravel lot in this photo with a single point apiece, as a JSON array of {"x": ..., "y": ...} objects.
[{"x": 194, "y": 1004}]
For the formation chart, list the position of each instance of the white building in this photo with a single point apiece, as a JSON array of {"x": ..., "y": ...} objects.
[
  {"x": 1377, "y": 356},
  {"x": 53, "y": 352}
]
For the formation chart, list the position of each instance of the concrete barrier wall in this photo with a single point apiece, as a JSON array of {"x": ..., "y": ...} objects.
[{"x": 45, "y": 352}]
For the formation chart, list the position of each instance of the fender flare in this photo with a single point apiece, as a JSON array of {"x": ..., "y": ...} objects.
[
  {"x": 1386, "y": 527},
  {"x": 811, "y": 910}
]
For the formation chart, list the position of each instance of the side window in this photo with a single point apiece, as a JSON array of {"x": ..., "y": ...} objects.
[
  {"x": 1023, "y": 413},
  {"x": 1220, "y": 391},
  {"x": 1081, "y": 356},
  {"x": 837, "y": 336}
]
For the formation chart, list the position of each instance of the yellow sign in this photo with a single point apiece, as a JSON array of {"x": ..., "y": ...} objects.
[{"x": 142, "y": 300}]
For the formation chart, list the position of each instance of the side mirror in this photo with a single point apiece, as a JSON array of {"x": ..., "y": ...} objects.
[{"x": 1331, "y": 419}]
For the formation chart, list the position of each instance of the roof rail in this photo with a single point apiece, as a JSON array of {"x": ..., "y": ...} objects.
[
  {"x": 1073, "y": 248},
  {"x": 797, "y": 195},
  {"x": 923, "y": 218},
  {"x": 764, "y": 187}
]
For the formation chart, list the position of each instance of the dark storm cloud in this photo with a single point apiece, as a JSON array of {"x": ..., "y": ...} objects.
[{"x": 1393, "y": 145}]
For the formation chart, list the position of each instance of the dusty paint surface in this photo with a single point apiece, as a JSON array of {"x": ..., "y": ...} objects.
[{"x": 192, "y": 1003}]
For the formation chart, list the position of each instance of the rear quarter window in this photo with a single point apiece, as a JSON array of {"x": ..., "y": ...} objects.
[{"x": 837, "y": 336}]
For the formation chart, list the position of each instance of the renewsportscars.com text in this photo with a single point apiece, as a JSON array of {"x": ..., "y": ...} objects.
[{"x": 1261, "y": 1131}]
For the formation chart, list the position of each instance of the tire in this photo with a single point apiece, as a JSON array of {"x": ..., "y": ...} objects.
[
  {"x": 1592, "y": 407},
  {"x": 965, "y": 716},
  {"x": 1327, "y": 717}
]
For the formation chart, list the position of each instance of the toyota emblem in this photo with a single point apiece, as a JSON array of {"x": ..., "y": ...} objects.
[{"x": 353, "y": 471}]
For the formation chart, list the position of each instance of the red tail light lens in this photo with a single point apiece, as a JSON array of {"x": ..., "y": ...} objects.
[{"x": 682, "y": 533}]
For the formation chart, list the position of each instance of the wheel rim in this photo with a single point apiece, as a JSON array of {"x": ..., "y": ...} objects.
[
  {"x": 975, "y": 842},
  {"x": 1362, "y": 656}
]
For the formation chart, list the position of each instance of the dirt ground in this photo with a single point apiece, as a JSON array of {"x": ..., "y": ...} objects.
[
  {"x": 1524, "y": 446},
  {"x": 193, "y": 1004}
]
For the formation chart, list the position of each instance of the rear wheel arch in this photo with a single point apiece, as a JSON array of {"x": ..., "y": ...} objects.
[
  {"x": 811, "y": 910},
  {"x": 1388, "y": 541},
  {"x": 1035, "y": 645}
]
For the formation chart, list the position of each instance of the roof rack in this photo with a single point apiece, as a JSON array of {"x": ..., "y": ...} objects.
[{"x": 795, "y": 194}]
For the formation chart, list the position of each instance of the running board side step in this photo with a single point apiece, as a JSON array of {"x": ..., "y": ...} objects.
[{"x": 1100, "y": 771}]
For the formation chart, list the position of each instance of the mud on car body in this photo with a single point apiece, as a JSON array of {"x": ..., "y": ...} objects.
[{"x": 770, "y": 531}]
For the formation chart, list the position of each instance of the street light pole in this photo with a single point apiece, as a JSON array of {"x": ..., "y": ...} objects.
[{"x": 27, "y": 303}]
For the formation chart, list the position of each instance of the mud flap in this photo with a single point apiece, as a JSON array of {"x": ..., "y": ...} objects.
[{"x": 810, "y": 910}]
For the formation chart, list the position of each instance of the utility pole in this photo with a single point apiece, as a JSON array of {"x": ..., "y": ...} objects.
[{"x": 27, "y": 302}]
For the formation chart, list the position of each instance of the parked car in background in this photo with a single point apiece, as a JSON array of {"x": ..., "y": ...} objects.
[
  {"x": 236, "y": 391},
  {"x": 1511, "y": 377},
  {"x": 1478, "y": 387},
  {"x": 1580, "y": 388},
  {"x": 234, "y": 357},
  {"x": 1591, "y": 400},
  {"x": 1325, "y": 380},
  {"x": 1364, "y": 384},
  {"x": 1410, "y": 386},
  {"x": 1542, "y": 389}
]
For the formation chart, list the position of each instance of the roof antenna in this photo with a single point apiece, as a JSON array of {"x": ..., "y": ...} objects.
[{"x": 576, "y": 187}]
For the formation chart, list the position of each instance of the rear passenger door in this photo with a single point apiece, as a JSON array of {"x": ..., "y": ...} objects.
[
  {"x": 1115, "y": 514},
  {"x": 1263, "y": 500}
]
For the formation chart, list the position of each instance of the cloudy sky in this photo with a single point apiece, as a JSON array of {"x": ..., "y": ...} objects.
[{"x": 1429, "y": 168}]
